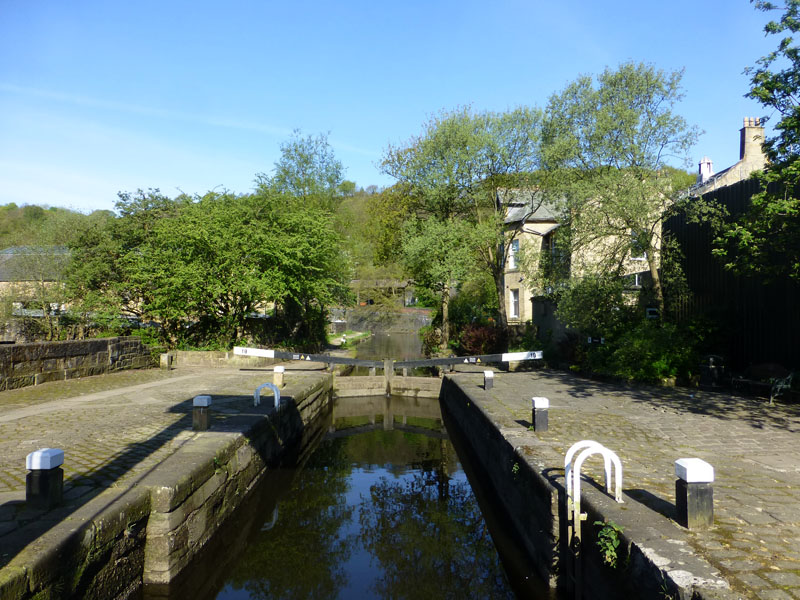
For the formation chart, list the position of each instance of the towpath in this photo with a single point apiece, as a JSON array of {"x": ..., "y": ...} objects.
[{"x": 753, "y": 447}]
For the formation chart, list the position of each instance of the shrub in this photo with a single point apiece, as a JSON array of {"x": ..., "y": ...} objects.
[{"x": 480, "y": 339}]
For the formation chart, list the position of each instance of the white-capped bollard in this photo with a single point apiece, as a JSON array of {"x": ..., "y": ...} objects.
[
  {"x": 200, "y": 413},
  {"x": 539, "y": 407},
  {"x": 694, "y": 493},
  {"x": 44, "y": 484},
  {"x": 488, "y": 380},
  {"x": 277, "y": 376}
]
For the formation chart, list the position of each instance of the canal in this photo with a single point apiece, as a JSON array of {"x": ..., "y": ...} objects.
[{"x": 374, "y": 508}]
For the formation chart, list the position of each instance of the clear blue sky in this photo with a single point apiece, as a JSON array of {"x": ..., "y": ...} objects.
[{"x": 98, "y": 96}]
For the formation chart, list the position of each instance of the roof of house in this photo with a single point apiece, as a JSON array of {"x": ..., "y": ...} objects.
[
  {"x": 528, "y": 206},
  {"x": 18, "y": 262}
]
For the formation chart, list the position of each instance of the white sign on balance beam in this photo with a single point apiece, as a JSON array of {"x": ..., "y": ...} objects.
[
  {"x": 514, "y": 356},
  {"x": 241, "y": 351}
]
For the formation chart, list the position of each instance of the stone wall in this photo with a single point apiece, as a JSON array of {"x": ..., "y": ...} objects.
[
  {"x": 150, "y": 532},
  {"x": 208, "y": 358},
  {"x": 31, "y": 364},
  {"x": 527, "y": 491}
]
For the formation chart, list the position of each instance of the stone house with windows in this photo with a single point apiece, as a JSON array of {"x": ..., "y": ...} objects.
[
  {"x": 537, "y": 226},
  {"x": 536, "y": 223}
]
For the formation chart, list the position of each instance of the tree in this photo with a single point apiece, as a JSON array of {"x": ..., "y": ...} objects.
[
  {"x": 438, "y": 253},
  {"x": 765, "y": 240},
  {"x": 200, "y": 267},
  {"x": 308, "y": 169},
  {"x": 456, "y": 169},
  {"x": 38, "y": 264},
  {"x": 607, "y": 147}
]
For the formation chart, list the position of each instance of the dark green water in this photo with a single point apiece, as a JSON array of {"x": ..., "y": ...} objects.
[
  {"x": 379, "y": 514},
  {"x": 379, "y": 508}
]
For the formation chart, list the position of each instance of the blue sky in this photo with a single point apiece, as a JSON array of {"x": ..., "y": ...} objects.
[{"x": 98, "y": 96}]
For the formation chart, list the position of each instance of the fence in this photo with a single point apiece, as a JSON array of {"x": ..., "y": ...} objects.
[{"x": 759, "y": 321}]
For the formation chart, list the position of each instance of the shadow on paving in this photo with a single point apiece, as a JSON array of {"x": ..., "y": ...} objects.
[
  {"x": 82, "y": 488},
  {"x": 754, "y": 412}
]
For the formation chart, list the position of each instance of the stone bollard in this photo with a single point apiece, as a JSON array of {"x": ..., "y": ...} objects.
[
  {"x": 540, "y": 407},
  {"x": 694, "y": 494},
  {"x": 44, "y": 484},
  {"x": 277, "y": 376},
  {"x": 488, "y": 380},
  {"x": 200, "y": 413}
]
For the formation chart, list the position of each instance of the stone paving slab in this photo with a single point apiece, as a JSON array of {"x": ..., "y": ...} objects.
[
  {"x": 114, "y": 430},
  {"x": 753, "y": 447}
]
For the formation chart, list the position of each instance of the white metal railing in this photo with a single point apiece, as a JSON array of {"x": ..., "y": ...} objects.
[{"x": 572, "y": 473}]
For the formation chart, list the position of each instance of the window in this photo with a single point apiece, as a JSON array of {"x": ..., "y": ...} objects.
[
  {"x": 638, "y": 245},
  {"x": 512, "y": 255},
  {"x": 514, "y": 304}
]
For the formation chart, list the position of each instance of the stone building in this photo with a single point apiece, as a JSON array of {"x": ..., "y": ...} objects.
[
  {"x": 751, "y": 159},
  {"x": 537, "y": 226}
]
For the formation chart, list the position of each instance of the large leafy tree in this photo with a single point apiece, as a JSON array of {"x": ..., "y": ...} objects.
[
  {"x": 210, "y": 262},
  {"x": 766, "y": 239},
  {"x": 436, "y": 253},
  {"x": 308, "y": 169},
  {"x": 456, "y": 169},
  {"x": 609, "y": 144}
]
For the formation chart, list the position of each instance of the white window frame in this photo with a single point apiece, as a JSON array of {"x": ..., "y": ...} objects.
[
  {"x": 513, "y": 304},
  {"x": 513, "y": 251},
  {"x": 643, "y": 256}
]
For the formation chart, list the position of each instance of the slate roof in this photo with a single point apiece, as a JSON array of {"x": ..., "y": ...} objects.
[
  {"x": 17, "y": 262},
  {"x": 519, "y": 205}
]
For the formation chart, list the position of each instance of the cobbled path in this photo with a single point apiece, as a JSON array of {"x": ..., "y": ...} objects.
[
  {"x": 753, "y": 447},
  {"x": 113, "y": 428}
]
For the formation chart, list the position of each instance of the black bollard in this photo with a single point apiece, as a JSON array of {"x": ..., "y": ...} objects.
[
  {"x": 44, "y": 484},
  {"x": 694, "y": 493},
  {"x": 540, "y": 407},
  {"x": 200, "y": 413}
]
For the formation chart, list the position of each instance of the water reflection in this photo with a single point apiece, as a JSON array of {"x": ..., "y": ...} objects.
[
  {"x": 383, "y": 513},
  {"x": 399, "y": 346}
]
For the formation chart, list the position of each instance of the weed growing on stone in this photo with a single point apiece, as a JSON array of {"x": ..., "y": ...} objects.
[{"x": 608, "y": 539}]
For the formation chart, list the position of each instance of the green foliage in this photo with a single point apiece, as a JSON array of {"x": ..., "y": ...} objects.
[
  {"x": 456, "y": 171},
  {"x": 360, "y": 218},
  {"x": 649, "y": 351},
  {"x": 201, "y": 267},
  {"x": 765, "y": 240},
  {"x": 475, "y": 302},
  {"x": 308, "y": 170},
  {"x": 431, "y": 337},
  {"x": 608, "y": 539},
  {"x": 594, "y": 305},
  {"x": 634, "y": 347},
  {"x": 437, "y": 254},
  {"x": 606, "y": 146}
]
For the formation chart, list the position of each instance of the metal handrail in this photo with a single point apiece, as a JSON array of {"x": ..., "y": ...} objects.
[
  {"x": 275, "y": 390},
  {"x": 590, "y": 447}
]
